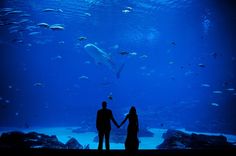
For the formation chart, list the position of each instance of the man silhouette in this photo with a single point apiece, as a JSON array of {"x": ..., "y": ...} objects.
[{"x": 103, "y": 125}]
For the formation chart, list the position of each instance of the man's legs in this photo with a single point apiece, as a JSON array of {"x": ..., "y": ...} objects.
[
  {"x": 100, "y": 139},
  {"x": 107, "y": 138}
]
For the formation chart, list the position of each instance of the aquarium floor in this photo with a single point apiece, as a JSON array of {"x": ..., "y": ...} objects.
[{"x": 53, "y": 152}]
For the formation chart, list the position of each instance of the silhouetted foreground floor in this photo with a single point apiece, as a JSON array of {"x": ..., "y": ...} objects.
[{"x": 56, "y": 152}]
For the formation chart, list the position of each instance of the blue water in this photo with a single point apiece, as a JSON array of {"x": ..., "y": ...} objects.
[{"x": 179, "y": 66}]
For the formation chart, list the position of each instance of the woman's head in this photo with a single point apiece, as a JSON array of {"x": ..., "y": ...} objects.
[{"x": 132, "y": 110}]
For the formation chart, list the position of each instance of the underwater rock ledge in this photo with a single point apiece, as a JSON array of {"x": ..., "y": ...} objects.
[
  {"x": 17, "y": 139},
  {"x": 175, "y": 139}
]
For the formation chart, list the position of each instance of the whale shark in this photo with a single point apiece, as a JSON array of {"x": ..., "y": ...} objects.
[{"x": 101, "y": 57}]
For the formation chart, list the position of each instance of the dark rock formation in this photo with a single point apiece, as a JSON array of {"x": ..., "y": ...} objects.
[
  {"x": 73, "y": 144},
  {"x": 21, "y": 140},
  {"x": 175, "y": 139}
]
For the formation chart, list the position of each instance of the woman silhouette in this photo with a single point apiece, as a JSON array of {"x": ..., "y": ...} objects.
[{"x": 132, "y": 142}]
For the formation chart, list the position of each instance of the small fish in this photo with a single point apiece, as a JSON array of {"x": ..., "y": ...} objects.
[
  {"x": 215, "y": 104},
  {"x": 82, "y": 38},
  {"x": 83, "y": 77},
  {"x": 124, "y": 53},
  {"x": 23, "y": 21},
  {"x": 214, "y": 54},
  {"x": 217, "y": 92},
  {"x": 87, "y": 14},
  {"x": 230, "y": 89},
  {"x": 143, "y": 56},
  {"x": 61, "y": 42},
  {"x": 60, "y": 10},
  {"x": 173, "y": 43},
  {"x": 6, "y": 9},
  {"x": 128, "y": 8},
  {"x": 126, "y": 11},
  {"x": 34, "y": 33},
  {"x": 56, "y": 27},
  {"x": 110, "y": 96},
  {"x": 38, "y": 84},
  {"x": 171, "y": 62},
  {"x": 58, "y": 57},
  {"x": 25, "y": 15},
  {"x": 133, "y": 53},
  {"x": 13, "y": 12},
  {"x": 43, "y": 25},
  {"x": 31, "y": 27},
  {"x": 49, "y": 10},
  {"x": 205, "y": 85},
  {"x": 201, "y": 65}
]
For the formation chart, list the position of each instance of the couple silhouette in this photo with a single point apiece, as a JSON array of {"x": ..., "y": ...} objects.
[{"x": 103, "y": 124}]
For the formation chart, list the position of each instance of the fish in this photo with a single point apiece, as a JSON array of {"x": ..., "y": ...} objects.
[
  {"x": 214, "y": 55},
  {"x": 43, "y": 25},
  {"x": 56, "y": 27},
  {"x": 128, "y": 8},
  {"x": 58, "y": 57},
  {"x": 110, "y": 96},
  {"x": 217, "y": 92},
  {"x": 13, "y": 12},
  {"x": 125, "y": 11},
  {"x": 205, "y": 85},
  {"x": 102, "y": 57},
  {"x": 230, "y": 89},
  {"x": 143, "y": 56},
  {"x": 23, "y": 21},
  {"x": 34, "y": 33},
  {"x": 173, "y": 43},
  {"x": 124, "y": 53},
  {"x": 87, "y": 14},
  {"x": 48, "y": 10},
  {"x": 52, "y": 10},
  {"x": 81, "y": 38},
  {"x": 215, "y": 104},
  {"x": 83, "y": 77},
  {"x": 38, "y": 84},
  {"x": 201, "y": 65},
  {"x": 133, "y": 53}
]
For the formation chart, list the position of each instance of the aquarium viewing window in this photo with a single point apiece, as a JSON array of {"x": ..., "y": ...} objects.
[{"x": 166, "y": 68}]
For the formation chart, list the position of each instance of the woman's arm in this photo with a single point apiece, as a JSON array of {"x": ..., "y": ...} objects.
[{"x": 124, "y": 120}]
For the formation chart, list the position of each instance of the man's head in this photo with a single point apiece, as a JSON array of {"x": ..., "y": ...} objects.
[{"x": 104, "y": 104}]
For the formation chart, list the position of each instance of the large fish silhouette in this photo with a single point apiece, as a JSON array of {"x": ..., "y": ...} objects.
[{"x": 102, "y": 57}]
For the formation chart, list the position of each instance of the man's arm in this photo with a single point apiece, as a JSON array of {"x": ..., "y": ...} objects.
[{"x": 114, "y": 121}]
